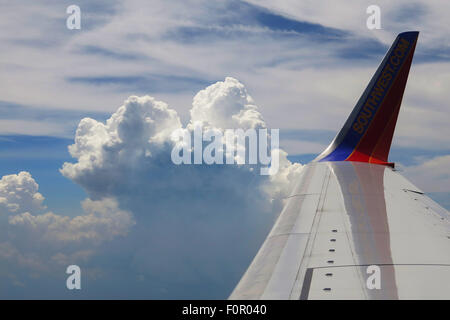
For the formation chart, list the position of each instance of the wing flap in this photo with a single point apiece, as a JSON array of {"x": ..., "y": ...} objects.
[{"x": 362, "y": 216}]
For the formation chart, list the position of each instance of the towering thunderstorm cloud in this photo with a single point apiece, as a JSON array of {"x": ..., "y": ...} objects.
[{"x": 180, "y": 231}]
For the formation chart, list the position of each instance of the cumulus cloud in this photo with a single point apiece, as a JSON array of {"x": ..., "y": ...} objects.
[
  {"x": 189, "y": 217},
  {"x": 432, "y": 175},
  {"x": 227, "y": 105},
  {"x": 19, "y": 193},
  {"x": 33, "y": 240},
  {"x": 190, "y": 230},
  {"x": 103, "y": 220},
  {"x": 134, "y": 131},
  {"x": 133, "y": 147}
]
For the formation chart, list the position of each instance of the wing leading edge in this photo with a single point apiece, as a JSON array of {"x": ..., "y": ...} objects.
[{"x": 351, "y": 213}]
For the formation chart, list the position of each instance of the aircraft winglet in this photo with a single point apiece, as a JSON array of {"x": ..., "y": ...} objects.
[{"x": 367, "y": 133}]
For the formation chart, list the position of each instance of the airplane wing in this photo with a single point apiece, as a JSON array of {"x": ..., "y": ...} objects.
[{"x": 353, "y": 227}]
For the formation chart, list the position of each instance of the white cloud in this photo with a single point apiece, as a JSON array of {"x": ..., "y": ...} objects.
[
  {"x": 19, "y": 193},
  {"x": 186, "y": 215},
  {"x": 28, "y": 127},
  {"x": 432, "y": 175},
  {"x": 283, "y": 182},
  {"x": 299, "y": 82},
  {"x": 29, "y": 236},
  {"x": 429, "y": 17},
  {"x": 135, "y": 130},
  {"x": 296, "y": 146},
  {"x": 102, "y": 221},
  {"x": 136, "y": 141},
  {"x": 226, "y": 105}
]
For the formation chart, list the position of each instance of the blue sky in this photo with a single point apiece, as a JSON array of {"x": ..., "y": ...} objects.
[{"x": 304, "y": 65}]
